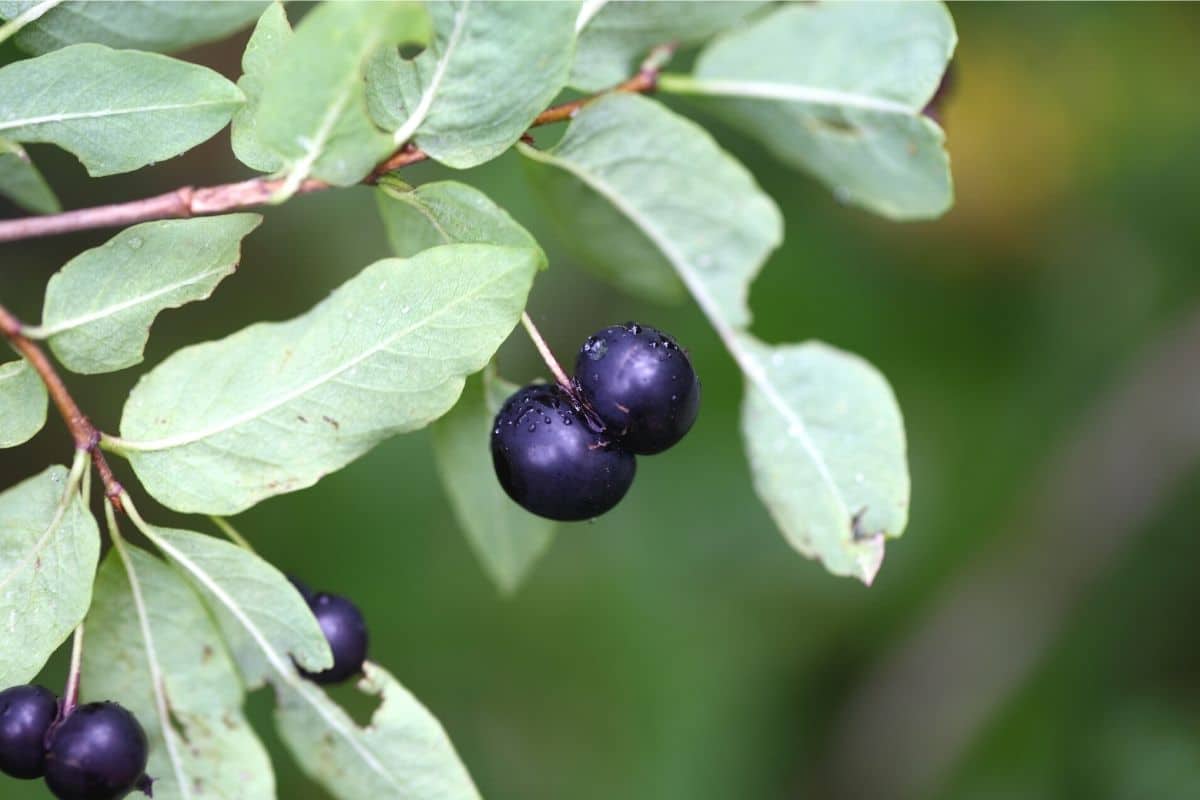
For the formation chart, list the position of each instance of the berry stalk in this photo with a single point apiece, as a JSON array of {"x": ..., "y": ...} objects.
[
  {"x": 71, "y": 693},
  {"x": 560, "y": 376}
]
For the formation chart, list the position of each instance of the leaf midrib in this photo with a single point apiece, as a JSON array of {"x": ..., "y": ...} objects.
[
  {"x": 183, "y": 439},
  {"x": 109, "y": 112},
  {"x": 46, "y": 331},
  {"x": 278, "y": 663},
  {"x": 786, "y": 92},
  {"x": 421, "y": 112},
  {"x": 156, "y": 672}
]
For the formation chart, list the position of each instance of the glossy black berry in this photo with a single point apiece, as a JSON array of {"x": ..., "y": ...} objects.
[
  {"x": 26, "y": 713},
  {"x": 346, "y": 631},
  {"x": 97, "y": 753},
  {"x": 553, "y": 461},
  {"x": 641, "y": 385}
]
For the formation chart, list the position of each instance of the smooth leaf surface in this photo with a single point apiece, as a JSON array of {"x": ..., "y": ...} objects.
[
  {"x": 507, "y": 539},
  {"x": 692, "y": 201},
  {"x": 266, "y": 623},
  {"x": 312, "y": 112},
  {"x": 837, "y": 89},
  {"x": 161, "y": 25},
  {"x": 116, "y": 110},
  {"x": 100, "y": 306},
  {"x": 447, "y": 212},
  {"x": 269, "y": 40},
  {"x": 404, "y": 754},
  {"x": 262, "y": 617},
  {"x": 148, "y": 628},
  {"x": 49, "y": 544},
  {"x": 600, "y": 237},
  {"x": 219, "y": 426},
  {"x": 490, "y": 68},
  {"x": 827, "y": 453},
  {"x": 21, "y": 182},
  {"x": 617, "y": 35},
  {"x": 22, "y": 403}
]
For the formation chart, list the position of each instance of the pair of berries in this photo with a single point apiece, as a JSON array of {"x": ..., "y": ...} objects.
[
  {"x": 97, "y": 753},
  {"x": 344, "y": 629},
  {"x": 569, "y": 455}
]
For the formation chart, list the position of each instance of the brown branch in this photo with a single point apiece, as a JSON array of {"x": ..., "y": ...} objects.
[
  {"x": 86, "y": 436},
  {"x": 189, "y": 201}
]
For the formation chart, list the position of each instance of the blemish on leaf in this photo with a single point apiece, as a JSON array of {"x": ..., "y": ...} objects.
[
  {"x": 336, "y": 425},
  {"x": 838, "y": 127}
]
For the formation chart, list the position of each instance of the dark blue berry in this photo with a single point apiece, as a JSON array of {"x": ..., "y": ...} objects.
[
  {"x": 345, "y": 630},
  {"x": 26, "y": 713},
  {"x": 553, "y": 460},
  {"x": 641, "y": 385},
  {"x": 97, "y": 753}
]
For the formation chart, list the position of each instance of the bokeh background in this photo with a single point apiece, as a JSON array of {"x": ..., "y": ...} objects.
[{"x": 1034, "y": 632}]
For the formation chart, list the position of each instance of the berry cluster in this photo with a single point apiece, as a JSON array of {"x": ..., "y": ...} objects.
[
  {"x": 344, "y": 629},
  {"x": 570, "y": 454},
  {"x": 97, "y": 752}
]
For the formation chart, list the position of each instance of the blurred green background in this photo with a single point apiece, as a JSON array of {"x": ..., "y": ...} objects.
[{"x": 1032, "y": 635}]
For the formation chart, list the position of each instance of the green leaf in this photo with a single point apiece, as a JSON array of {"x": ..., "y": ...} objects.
[
  {"x": 827, "y": 452},
  {"x": 152, "y": 647},
  {"x": 507, "y": 539},
  {"x": 162, "y": 25},
  {"x": 617, "y": 35},
  {"x": 490, "y": 69},
  {"x": 22, "y": 403},
  {"x": 404, "y": 754},
  {"x": 269, "y": 40},
  {"x": 312, "y": 112},
  {"x": 698, "y": 207},
  {"x": 600, "y": 237},
  {"x": 100, "y": 306},
  {"x": 262, "y": 618},
  {"x": 21, "y": 182},
  {"x": 116, "y": 110},
  {"x": 715, "y": 227},
  {"x": 837, "y": 89},
  {"x": 219, "y": 426},
  {"x": 447, "y": 212},
  {"x": 49, "y": 544}
]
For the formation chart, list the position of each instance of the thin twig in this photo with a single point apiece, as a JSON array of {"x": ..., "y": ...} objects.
[
  {"x": 71, "y": 693},
  {"x": 86, "y": 436},
  {"x": 547, "y": 354},
  {"x": 189, "y": 201}
]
